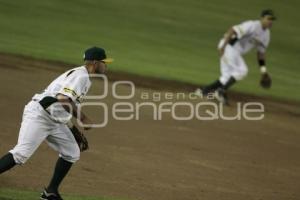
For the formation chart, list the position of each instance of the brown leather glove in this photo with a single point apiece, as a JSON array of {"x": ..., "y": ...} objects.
[
  {"x": 80, "y": 138},
  {"x": 265, "y": 81}
]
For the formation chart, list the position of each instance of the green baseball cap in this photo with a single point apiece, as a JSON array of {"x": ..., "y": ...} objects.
[
  {"x": 96, "y": 53},
  {"x": 268, "y": 12}
]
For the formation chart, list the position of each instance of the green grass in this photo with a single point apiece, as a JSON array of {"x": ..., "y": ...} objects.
[
  {"x": 169, "y": 39},
  {"x": 8, "y": 194}
]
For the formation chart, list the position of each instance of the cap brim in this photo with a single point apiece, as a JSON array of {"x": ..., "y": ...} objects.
[{"x": 108, "y": 60}]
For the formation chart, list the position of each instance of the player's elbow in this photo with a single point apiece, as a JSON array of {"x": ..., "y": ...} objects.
[{"x": 231, "y": 31}]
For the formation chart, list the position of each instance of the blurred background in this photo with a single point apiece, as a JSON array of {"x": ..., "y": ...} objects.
[
  {"x": 160, "y": 45},
  {"x": 169, "y": 39}
]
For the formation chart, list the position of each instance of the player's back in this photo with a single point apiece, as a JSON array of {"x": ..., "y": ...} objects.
[
  {"x": 58, "y": 84},
  {"x": 251, "y": 34}
]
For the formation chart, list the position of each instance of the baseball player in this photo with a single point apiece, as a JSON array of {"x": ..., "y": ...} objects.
[
  {"x": 239, "y": 40},
  {"x": 46, "y": 117}
]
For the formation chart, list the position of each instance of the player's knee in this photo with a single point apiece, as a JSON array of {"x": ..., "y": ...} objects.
[
  {"x": 73, "y": 156},
  {"x": 241, "y": 74}
]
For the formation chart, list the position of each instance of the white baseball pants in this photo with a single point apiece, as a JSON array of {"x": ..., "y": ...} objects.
[
  {"x": 232, "y": 64},
  {"x": 36, "y": 127}
]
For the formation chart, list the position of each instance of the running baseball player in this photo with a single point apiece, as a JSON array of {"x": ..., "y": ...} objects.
[
  {"x": 239, "y": 40},
  {"x": 47, "y": 115}
]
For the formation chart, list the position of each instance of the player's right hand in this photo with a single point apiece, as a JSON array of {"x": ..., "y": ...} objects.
[
  {"x": 87, "y": 123},
  {"x": 86, "y": 128}
]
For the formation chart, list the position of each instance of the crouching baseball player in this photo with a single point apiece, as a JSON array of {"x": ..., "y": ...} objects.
[
  {"x": 239, "y": 40},
  {"x": 47, "y": 115}
]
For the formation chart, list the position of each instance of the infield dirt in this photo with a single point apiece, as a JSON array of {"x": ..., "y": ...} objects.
[{"x": 149, "y": 159}]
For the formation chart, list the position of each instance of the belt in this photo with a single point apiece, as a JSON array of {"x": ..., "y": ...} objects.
[{"x": 47, "y": 101}]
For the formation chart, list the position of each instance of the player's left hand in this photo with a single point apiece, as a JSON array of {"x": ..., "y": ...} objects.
[
  {"x": 221, "y": 51},
  {"x": 265, "y": 81}
]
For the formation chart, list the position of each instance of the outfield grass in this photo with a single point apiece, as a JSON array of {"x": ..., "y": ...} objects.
[
  {"x": 8, "y": 194},
  {"x": 170, "y": 39}
]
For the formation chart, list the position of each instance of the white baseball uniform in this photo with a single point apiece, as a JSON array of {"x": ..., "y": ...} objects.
[
  {"x": 250, "y": 34},
  {"x": 39, "y": 124}
]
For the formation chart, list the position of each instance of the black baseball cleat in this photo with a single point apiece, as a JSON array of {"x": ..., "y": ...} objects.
[
  {"x": 50, "y": 196},
  {"x": 221, "y": 96}
]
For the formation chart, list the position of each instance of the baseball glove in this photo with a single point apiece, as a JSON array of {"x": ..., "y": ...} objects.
[
  {"x": 80, "y": 138},
  {"x": 266, "y": 81}
]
